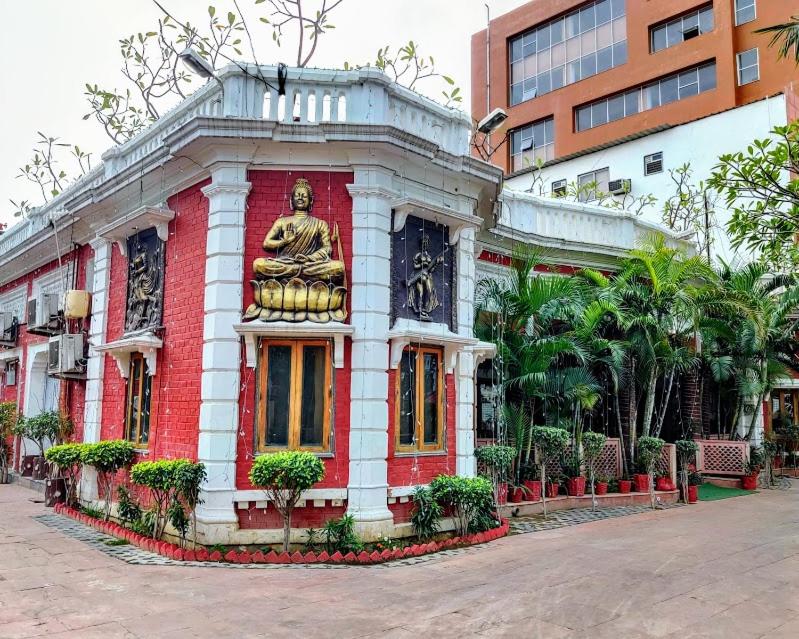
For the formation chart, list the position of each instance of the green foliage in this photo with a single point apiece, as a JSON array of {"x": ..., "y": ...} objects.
[
  {"x": 550, "y": 442},
  {"x": 427, "y": 513},
  {"x": 65, "y": 456},
  {"x": 495, "y": 458},
  {"x": 469, "y": 498},
  {"x": 284, "y": 476},
  {"x": 8, "y": 419},
  {"x": 340, "y": 536},
  {"x": 177, "y": 517},
  {"x": 48, "y": 425},
  {"x": 108, "y": 456},
  {"x": 92, "y": 512},
  {"x": 593, "y": 445},
  {"x": 686, "y": 451},
  {"x": 695, "y": 479},
  {"x": 649, "y": 451},
  {"x": 313, "y": 541},
  {"x": 128, "y": 508}
]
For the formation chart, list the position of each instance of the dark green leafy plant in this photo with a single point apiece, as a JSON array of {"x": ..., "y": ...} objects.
[
  {"x": 67, "y": 459},
  {"x": 340, "y": 536},
  {"x": 313, "y": 540},
  {"x": 686, "y": 455},
  {"x": 593, "y": 445},
  {"x": 496, "y": 462},
  {"x": 284, "y": 476},
  {"x": 650, "y": 450},
  {"x": 108, "y": 458},
  {"x": 8, "y": 419},
  {"x": 46, "y": 426},
  {"x": 92, "y": 512},
  {"x": 128, "y": 508},
  {"x": 467, "y": 497},
  {"x": 550, "y": 443},
  {"x": 427, "y": 513}
]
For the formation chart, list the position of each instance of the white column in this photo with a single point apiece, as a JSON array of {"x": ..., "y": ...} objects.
[
  {"x": 219, "y": 395},
  {"x": 93, "y": 406},
  {"x": 464, "y": 401},
  {"x": 367, "y": 492}
]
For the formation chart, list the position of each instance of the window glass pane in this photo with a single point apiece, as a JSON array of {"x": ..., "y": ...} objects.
[
  {"x": 544, "y": 62},
  {"x": 588, "y": 42},
  {"x": 556, "y": 32},
  {"x": 587, "y": 18},
  {"x": 659, "y": 39},
  {"x": 619, "y": 30},
  {"x": 583, "y": 118},
  {"x": 549, "y": 126},
  {"x": 312, "y": 409},
  {"x": 517, "y": 72},
  {"x": 668, "y": 90},
  {"x": 617, "y": 8},
  {"x": 588, "y": 65},
  {"x": 631, "y": 106},
  {"x": 144, "y": 423},
  {"x": 573, "y": 24},
  {"x": 431, "y": 398},
  {"x": 602, "y": 11},
  {"x": 619, "y": 53},
  {"x": 557, "y": 77},
  {"x": 544, "y": 84},
  {"x": 690, "y": 22},
  {"x": 539, "y": 134},
  {"x": 674, "y": 33},
  {"x": 748, "y": 75},
  {"x": 616, "y": 108},
  {"x": 407, "y": 399},
  {"x": 604, "y": 59},
  {"x": 573, "y": 72},
  {"x": 134, "y": 379},
  {"x": 516, "y": 49},
  {"x": 651, "y": 96},
  {"x": 748, "y": 58},
  {"x": 707, "y": 77},
  {"x": 706, "y": 20},
  {"x": 278, "y": 395},
  {"x": 542, "y": 38},
  {"x": 688, "y": 90},
  {"x": 528, "y": 49},
  {"x": 599, "y": 113},
  {"x": 559, "y": 54},
  {"x": 530, "y": 66},
  {"x": 573, "y": 49},
  {"x": 516, "y": 93},
  {"x": 604, "y": 36}
]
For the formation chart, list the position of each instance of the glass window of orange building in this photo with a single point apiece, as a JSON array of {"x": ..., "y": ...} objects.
[{"x": 578, "y": 45}]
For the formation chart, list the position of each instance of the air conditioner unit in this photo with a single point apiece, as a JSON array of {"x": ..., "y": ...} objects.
[
  {"x": 43, "y": 318},
  {"x": 653, "y": 164},
  {"x": 65, "y": 356},
  {"x": 559, "y": 188},
  {"x": 620, "y": 187},
  {"x": 8, "y": 329},
  {"x": 11, "y": 373}
]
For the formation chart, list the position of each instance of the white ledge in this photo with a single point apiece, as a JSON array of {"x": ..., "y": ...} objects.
[
  {"x": 483, "y": 351},
  {"x": 11, "y": 354},
  {"x": 251, "y": 331},
  {"x": 455, "y": 220},
  {"x": 310, "y": 494},
  {"x": 145, "y": 343},
  {"x": 407, "y": 332},
  {"x": 143, "y": 218}
]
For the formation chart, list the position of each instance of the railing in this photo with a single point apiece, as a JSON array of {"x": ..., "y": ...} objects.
[
  {"x": 313, "y": 98},
  {"x": 721, "y": 457},
  {"x": 551, "y": 222}
]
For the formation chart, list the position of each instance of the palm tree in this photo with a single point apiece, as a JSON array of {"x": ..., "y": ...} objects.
[{"x": 785, "y": 35}]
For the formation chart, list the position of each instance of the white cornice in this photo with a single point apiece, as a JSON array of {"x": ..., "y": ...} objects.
[
  {"x": 406, "y": 332},
  {"x": 251, "y": 331},
  {"x": 145, "y": 343},
  {"x": 455, "y": 220},
  {"x": 145, "y": 217}
]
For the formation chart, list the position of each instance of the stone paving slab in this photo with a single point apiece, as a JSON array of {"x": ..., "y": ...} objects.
[{"x": 561, "y": 518}]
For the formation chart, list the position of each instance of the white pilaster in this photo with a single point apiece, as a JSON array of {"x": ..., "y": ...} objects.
[
  {"x": 464, "y": 401},
  {"x": 93, "y": 406},
  {"x": 219, "y": 395},
  {"x": 367, "y": 492}
]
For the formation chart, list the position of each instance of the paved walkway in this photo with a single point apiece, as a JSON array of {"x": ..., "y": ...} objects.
[{"x": 718, "y": 569}]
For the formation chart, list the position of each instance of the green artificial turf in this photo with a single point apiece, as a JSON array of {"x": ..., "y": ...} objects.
[{"x": 709, "y": 492}]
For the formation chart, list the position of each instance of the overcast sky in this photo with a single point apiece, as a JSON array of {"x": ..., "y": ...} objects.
[{"x": 51, "y": 48}]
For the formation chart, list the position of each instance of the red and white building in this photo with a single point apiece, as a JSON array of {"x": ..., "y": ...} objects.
[{"x": 164, "y": 235}]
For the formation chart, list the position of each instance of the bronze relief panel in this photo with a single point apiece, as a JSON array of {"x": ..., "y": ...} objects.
[{"x": 145, "y": 300}]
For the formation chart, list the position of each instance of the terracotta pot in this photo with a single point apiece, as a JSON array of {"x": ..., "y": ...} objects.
[
  {"x": 552, "y": 490},
  {"x": 693, "y": 494},
  {"x": 641, "y": 483},
  {"x": 663, "y": 483},
  {"x": 575, "y": 486},
  {"x": 502, "y": 493},
  {"x": 625, "y": 486},
  {"x": 533, "y": 487},
  {"x": 517, "y": 495},
  {"x": 601, "y": 488},
  {"x": 749, "y": 482}
]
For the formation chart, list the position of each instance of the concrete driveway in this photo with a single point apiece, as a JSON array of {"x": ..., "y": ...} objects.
[{"x": 718, "y": 569}]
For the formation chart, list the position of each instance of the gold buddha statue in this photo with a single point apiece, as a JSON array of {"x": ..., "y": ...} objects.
[{"x": 302, "y": 281}]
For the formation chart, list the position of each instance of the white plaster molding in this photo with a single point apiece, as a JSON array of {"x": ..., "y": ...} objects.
[
  {"x": 251, "y": 331},
  {"x": 312, "y": 494},
  {"x": 371, "y": 189},
  {"x": 145, "y": 343},
  {"x": 57, "y": 281},
  {"x": 482, "y": 351},
  {"x": 142, "y": 218},
  {"x": 456, "y": 220},
  {"x": 407, "y": 331},
  {"x": 235, "y": 188},
  {"x": 14, "y": 301},
  {"x": 10, "y": 355}
]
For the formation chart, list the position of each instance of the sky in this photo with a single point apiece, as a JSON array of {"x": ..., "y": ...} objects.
[{"x": 51, "y": 48}]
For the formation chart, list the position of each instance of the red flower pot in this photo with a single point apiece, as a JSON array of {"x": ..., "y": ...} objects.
[
  {"x": 552, "y": 490},
  {"x": 663, "y": 483},
  {"x": 502, "y": 493},
  {"x": 641, "y": 483},
  {"x": 693, "y": 494},
  {"x": 575, "y": 486},
  {"x": 533, "y": 487},
  {"x": 601, "y": 488},
  {"x": 625, "y": 486},
  {"x": 517, "y": 495},
  {"x": 749, "y": 482}
]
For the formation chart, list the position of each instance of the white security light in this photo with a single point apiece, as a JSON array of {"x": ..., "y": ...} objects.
[
  {"x": 196, "y": 63},
  {"x": 492, "y": 121}
]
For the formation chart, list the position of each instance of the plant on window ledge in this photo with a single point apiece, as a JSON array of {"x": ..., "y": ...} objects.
[{"x": 284, "y": 476}]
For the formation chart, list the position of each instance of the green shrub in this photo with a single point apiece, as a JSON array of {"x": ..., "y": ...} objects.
[
  {"x": 48, "y": 425},
  {"x": 108, "y": 457},
  {"x": 340, "y": 536},
  {"x": 8, "y": 419},
  {"x": 496, "y": 461},
  {"x": 67, "y": 458},
  {"x": 686, "y": 451},
  {"x": 284, "y": 476},
  {"x": 469, "y": 498},
  {"x": 128, "y": 508},
  {"x": 593, "y": 445},
  {"x": 550, "y": 443},
  {"x": 650, "y": 450},
  {"x": 427, "y": 512}
]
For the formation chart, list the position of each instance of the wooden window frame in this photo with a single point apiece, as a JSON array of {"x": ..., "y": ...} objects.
[
  {"x": 134, "y": 434},
  {"x": 295, "y": 390},
  {"x": 419, "y": 445}
]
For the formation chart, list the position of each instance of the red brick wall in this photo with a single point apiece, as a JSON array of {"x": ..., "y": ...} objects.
[
  {"x": 268, "y": 200},
  {"x": 175, "y": 401},
  {"x": 412, "y": 470},
  {"x": 308, "y": 517}
]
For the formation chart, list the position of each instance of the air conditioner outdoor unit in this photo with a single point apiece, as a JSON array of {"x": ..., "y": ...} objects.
[
  {"x": 65, "y": 356},
  {"x": 8, "y": 329},
  {"x": 559, "y": 188},
  {"x": 43, "y": 314},
  {"x": 620, "y": 187}
]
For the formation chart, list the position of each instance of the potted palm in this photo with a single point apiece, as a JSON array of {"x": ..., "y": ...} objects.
[
  {"x": 753, "y": 466},
  {"x": 531, "y": 482},
  {"x": 695, "y": 480},
  {"x": 575, "y": 482}
]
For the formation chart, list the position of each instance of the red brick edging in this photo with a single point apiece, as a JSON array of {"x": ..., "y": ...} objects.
[{"x": 172, "y": 551}]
